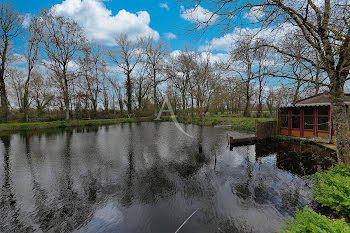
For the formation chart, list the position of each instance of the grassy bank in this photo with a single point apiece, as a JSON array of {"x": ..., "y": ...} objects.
[
  {"x": 237, "y": 123},
  {"x": 14, "y": 127},
  {"x": 331, "y": 188},
  {"x": 244, "y": 124}
]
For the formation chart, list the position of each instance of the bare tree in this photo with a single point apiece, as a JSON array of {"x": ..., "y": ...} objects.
[
  {"x": 62, "y": 39},
  {"x": 31, "y": 53},
  {"x": 324, "y": 27},
  {"x": 117, "y": 90},
  {"x": 261, "y": 59},
  {"x": 92, "y": 68},
  {"x": 203, "y": 83},
  {"x": 16, "y": 84},
  {"x": 143, "y": 84},
  {"x": 105, "y": 85},
  {"x": 155, "y": 54},
  {"x": 41, "y": 92},
  {"x": 127, "y": 55},
  {"x": 180, "y": 70},
  {"x": 243, "y": 53},
  {"x": 10, "y": 27}
]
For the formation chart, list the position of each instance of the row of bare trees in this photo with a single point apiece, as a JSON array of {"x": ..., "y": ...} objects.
[{"x": 61, "y": 70}]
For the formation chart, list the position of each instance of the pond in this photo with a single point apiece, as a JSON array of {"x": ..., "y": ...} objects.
[{"x": 150, "y": 177}]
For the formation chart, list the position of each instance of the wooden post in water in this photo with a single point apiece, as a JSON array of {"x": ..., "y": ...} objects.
[{"x": 200, "y": 147}]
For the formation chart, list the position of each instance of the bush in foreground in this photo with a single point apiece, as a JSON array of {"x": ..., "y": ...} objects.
[
  {"x": 307, "y": 221},
  {"x": 332, "y": 188}
]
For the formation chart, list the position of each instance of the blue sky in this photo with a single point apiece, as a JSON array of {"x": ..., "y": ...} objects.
[
  {"x": 165, "y": 17},
  {"x": 104, "y": 20}
]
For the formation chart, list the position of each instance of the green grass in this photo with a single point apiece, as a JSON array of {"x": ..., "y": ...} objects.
[
  {"x": 332, "y": 188},
  {"x": 244, "y": 124},
  {"x": 307, "y": 221},
  {"x": 11, "y": 127},
  {"x": 236, "y": 123}
]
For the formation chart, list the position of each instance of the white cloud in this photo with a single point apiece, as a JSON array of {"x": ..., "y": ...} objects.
[
  {"x": 170, "y": 35},
  {"x": 198, "y": 15},
  {"x": 226, "y": 42},
  {"x": 164, "y": 5},
  {"x": 26, "y": 20},
  {"x": 175, "y": 53},
  {"x": 99, "y": 23},
  {"x": 215, "y": 57},
  {"x": 18, "y": 60},
  {"x": 255, "y": 14}
]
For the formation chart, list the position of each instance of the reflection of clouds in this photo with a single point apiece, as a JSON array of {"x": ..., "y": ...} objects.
[
  {"x": 105, "y": 219},
  {"x": 149, "y": 177},
  {"x": 271, "y": 159}
]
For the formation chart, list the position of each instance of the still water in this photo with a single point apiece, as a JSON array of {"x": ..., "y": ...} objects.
[{"x": 149, "y": 177}]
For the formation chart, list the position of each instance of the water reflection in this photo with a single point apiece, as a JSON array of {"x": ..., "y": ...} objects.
[
  {"x": 296, "y": 158},
  {"x": 148, "y": 177}
]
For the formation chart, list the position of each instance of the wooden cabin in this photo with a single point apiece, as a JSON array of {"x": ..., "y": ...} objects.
[{"x": 309, "y": 117}]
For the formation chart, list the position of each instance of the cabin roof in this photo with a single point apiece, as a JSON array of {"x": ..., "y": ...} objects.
[{"x": 322, "y": 99}]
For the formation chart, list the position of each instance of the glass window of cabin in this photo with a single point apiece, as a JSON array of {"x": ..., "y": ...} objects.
[
  {"x": 308, "y": 123},
  {"x": 322, "y": 123},
  {"x": 322, "y": 111},
  {"x": 308, "y": 111},
  {"x": 284, "y": 121},
  {"x": 296, "y": 111},
  {"x": 296, "y": 122}
]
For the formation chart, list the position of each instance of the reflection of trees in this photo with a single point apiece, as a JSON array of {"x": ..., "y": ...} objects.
[
  {"x": 9, "y": 211},
  {"x": 128, "y": 190},
  {"x": 72, "y": 209},
  {"x": 297, "y": 158},
  {"x": 69, "y": 210},
  {"x": 142, "y": 180},
  {"x": 39, "y": 193},
  {"x": 243, "y": 188}
]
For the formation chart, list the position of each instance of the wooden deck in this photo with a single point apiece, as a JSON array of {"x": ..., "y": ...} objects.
[{"x": 263, "y": 131}]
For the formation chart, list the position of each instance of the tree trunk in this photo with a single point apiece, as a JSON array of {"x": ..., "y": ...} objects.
[
  {"x": 129, "y": 93},
  {"x": 4, "y": 101},
  {"x": 3, "y": 95},
  {"x": 25, "y": 105},
  {"x": 317, "y": 78},
  {"x": 259, "y": 110},
  {"x": 246, "y": 109},
  {"x": 155, "y": 98},
  {"x": 183, "y": 103},
  {"x": 340, "y": 121},
  {"x": 296, "y": 93},
  {"x": 155, "y": 94},
  {"x": 246, "y": 112},
  {"x": 66, "y": 98},
  {"x": 121, "y": 106},
  {"x": 192, "y": 106},
  {"x": 25, "y": 98}
]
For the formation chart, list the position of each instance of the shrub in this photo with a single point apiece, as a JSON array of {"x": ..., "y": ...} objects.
[
  {"x": 308, "y": 221},
  {"x": 332, "y": 188}
]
